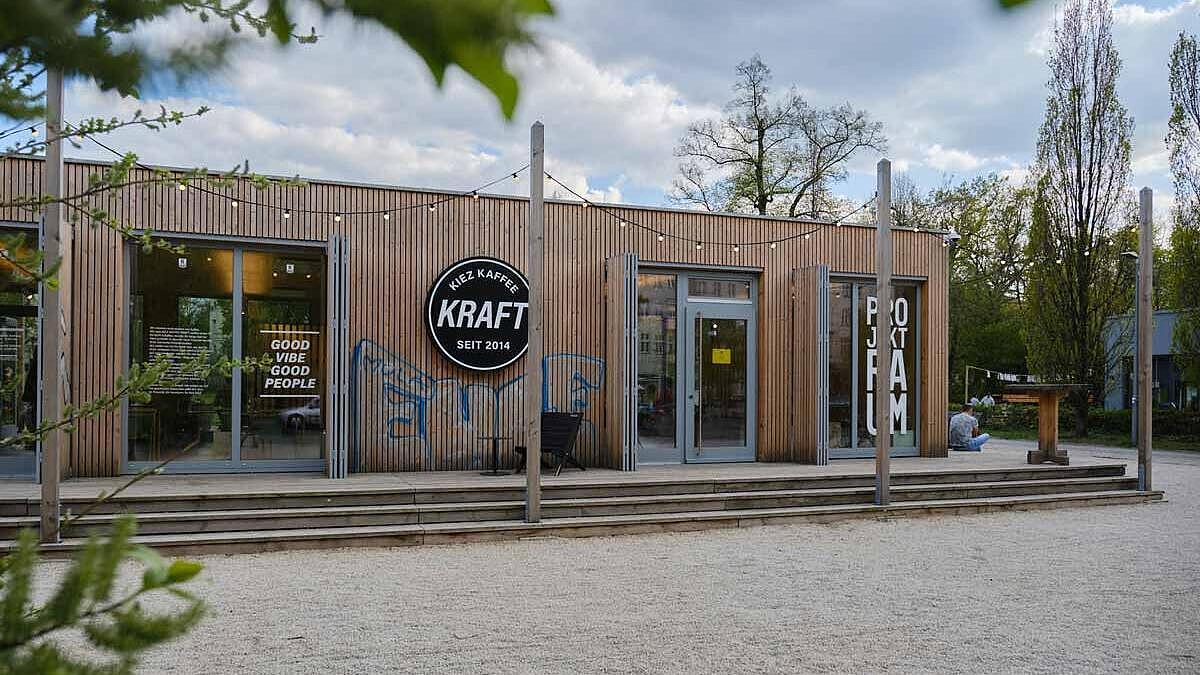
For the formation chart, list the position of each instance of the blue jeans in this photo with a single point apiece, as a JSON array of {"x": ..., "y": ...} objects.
[{"x": 976, "y": 443}]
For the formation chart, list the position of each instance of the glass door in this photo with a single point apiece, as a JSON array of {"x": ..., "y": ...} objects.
[{"x": 721, "y": 385}]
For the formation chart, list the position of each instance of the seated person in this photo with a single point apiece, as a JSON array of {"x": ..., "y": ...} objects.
[{"x": 964, "y": 431}]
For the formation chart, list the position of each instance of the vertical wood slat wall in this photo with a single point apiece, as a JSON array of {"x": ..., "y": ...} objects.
[{"x": 394, "y": 261}]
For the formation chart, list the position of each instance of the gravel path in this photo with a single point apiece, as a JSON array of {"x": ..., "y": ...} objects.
[{"x": 1103, "y": 589}]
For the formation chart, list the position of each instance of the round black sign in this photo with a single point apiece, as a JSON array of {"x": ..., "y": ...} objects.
[{"x": 477, "y": 313}]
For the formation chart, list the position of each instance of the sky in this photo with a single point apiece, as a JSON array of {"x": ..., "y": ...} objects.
[{"x": 958, "y": 85}]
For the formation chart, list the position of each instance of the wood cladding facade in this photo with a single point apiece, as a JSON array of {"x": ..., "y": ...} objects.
[{"x": 393, "y": 262}]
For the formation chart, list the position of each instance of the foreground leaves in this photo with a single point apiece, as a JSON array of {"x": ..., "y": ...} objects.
[{"x": 116, "y": 626}]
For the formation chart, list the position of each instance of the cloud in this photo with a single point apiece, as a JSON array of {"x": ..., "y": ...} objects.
[
  {"x": 959, "y": 87},
  {"x": 1133, "y": 14}
]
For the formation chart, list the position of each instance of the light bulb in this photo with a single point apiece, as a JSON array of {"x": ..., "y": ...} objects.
[
  {"x": 337, "y": 218},
  {"x": 386, "y": 215},
  {"x": 287, "y": 214},
  {"x": 699, "y": 246},
  {"x": 433, "y": 207},
  {"x": 516, "y": 178},
  {"x": 807, "y": 235},
  {"x": 33, "y": 131},
  {"x": 623, "y": 223},
  {"x": 182, "y": 187},
  {"x": 737, "y": 248},
  {"x": 773, "y": 245},
  {"x": 234, "y": 203},
  {"x": 661, "y": 237},
  {"x": 585, "y": 205},
  {"x": 474, "y": 195}
]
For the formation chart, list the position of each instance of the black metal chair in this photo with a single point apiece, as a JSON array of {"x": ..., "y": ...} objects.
[{"x": 559, "y": 431}]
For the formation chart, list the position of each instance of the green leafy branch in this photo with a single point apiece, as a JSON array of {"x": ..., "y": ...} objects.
[
  {"x": 86, "y": 599},
  {"x": 90, "y": 126}
]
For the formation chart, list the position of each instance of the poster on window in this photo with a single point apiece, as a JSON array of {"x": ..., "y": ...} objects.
[
  {"x": 294, "y": 358},
  {"x": 901, "y": 369}
]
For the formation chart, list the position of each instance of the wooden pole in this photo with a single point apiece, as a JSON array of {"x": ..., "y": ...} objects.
[
  {"x": 53, "y": 312},
  {"x": 1145, "y": 332},
  {"x": 533, "y": 358},
  {"x": 883, "y": 333}
]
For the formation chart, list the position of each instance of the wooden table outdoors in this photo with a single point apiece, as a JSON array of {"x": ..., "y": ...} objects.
[{"x": 1048, "y": 396}]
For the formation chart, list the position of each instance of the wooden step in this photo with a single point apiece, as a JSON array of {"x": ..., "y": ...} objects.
[
  {"x": 577, "y": 486},
  {"x": 446, "y": 533},
  {"x": 174, "y": 522}
]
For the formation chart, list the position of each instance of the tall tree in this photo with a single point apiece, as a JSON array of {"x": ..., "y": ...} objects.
[
  {"x": 987, "y": 266},
  {"x": 1182, "y": 271},
  {"x": 1076, "y": 278},
  {"x": 771, "y": 156}
]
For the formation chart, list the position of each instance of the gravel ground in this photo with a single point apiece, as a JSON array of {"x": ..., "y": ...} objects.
[{"x": 1102, "y": 589}]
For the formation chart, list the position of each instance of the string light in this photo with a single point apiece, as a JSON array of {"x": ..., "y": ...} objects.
[
  {"x": 623, "y": 222},
  {"x": 387, "y": 216},
  {"x": 233, "y": 204},
  {"x": 432, "y": 208},
  {"x": 337, "y": 215},
  {"x": 33, "y": 131}
]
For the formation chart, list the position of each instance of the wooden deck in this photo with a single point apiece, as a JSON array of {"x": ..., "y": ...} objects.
[{"x": 296, "y": 483}]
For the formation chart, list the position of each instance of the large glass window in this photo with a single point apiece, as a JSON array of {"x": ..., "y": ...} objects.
[
  {"x": 656, "y": 367},
  {"x": 183, "y": 312},
  {"x": 18, "y": 357},
  {"x": 186, "y": 307},
  {"x": 841, "y": 364},
  {"x": 283, "y": 416},
  {"x": 853, "y": 348}
]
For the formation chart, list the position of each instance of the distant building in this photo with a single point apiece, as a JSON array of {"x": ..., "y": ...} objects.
[{"x": 1170, "y": 388}]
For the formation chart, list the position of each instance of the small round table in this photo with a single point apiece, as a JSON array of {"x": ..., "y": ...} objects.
[{"x": 495, "y": 455}]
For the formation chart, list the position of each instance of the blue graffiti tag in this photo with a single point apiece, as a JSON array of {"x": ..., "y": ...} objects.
[{"x": 413, "y": 401}]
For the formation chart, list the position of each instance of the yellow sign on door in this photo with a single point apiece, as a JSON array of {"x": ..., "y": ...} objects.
[{"x": 722, "y": 356}]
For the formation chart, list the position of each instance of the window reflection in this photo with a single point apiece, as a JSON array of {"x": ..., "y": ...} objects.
[
  {"x": 182, "y": 306},
  {"x": 18, "y": 356},
  {"x": 283, "y": 416},
  {"x": 841, "y": 367},
  {"x": 723, "y": 289},
  {"x": 656, "y": 368}
]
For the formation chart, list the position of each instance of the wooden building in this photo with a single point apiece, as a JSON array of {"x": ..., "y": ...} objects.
[{"x": 713, "y": 337}]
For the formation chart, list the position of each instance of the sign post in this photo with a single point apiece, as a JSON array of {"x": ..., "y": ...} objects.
[
  {"x": 533, "y": 358},
  {"x": 1145, "y": 331},
  {"x": 883, "y": 332}
]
